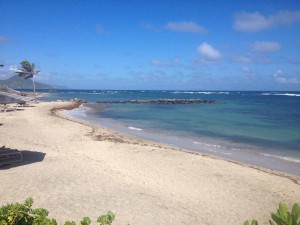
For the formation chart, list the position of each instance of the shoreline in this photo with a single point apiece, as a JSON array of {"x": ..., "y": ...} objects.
[
  {"x": 254, "y": 159},
  {"x": 60, "y": 112},
  {"x": 88, "y": 170}
]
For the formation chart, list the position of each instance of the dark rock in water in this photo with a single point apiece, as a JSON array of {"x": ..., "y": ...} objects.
[{"x": 162, "y": 101}]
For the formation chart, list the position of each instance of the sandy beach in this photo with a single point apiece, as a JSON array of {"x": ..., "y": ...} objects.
[{"x": 74, "y": 170}]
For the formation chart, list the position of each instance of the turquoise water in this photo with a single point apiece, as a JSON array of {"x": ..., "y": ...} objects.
[{"x": 261, "y": 128}]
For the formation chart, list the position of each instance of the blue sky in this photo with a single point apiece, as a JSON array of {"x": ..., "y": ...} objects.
[{"x": 178, "y": 44}]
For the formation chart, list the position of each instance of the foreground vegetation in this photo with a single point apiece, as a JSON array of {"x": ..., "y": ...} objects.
[
  {"x": 24, "y": 214},
  {"x": 283, "y": 216}
]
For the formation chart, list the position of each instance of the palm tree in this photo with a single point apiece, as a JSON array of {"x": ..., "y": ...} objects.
[{"x": 28, "y": 71}]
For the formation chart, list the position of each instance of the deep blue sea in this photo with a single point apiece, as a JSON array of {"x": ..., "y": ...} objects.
[{"x": 259, "y": 128}]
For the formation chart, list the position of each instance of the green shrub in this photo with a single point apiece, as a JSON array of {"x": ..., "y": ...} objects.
[
  {"x": 253, "y": 222},
  {"x": 23, "y": 214},
  {"x": 283, "y": 216},
  {"x": 106, "y": 219}
]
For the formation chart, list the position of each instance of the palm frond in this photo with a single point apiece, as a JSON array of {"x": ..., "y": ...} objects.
[{"x": 27, "y": 70}]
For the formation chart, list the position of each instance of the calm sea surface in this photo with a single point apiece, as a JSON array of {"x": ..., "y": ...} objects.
[{"x": 260, "y": 128}]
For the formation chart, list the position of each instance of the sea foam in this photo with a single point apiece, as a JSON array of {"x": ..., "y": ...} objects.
[
  {"x": 282, "y": 157},
  {"x": 282, "y": 94},
  {"x": 135, "y": 128},
  {"x": 201, "y": 92}
]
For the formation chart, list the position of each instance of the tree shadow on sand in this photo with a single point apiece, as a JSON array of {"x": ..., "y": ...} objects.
[{"x": 29, "y": 157}]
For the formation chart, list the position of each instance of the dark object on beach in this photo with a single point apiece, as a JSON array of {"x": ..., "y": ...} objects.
[
  {"x": 8, "y": 90},
  {"x": 8, "y": 155},
  {"x": 5, "y": 99},
  {"x": 162, "y": 101}
]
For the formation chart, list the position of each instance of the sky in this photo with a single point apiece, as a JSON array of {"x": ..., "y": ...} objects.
[{"x": 154, "y": 45}]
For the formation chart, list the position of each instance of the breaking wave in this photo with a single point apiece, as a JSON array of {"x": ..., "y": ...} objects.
[
  {"x": 283, "y": 94},
  {"x": 135, "y": 128},
  {"x": 201, "y": 92},
  {"x": 282, "y": 157}
]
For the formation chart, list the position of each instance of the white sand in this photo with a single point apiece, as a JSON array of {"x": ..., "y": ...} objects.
[{"x": 87, "y": 171}]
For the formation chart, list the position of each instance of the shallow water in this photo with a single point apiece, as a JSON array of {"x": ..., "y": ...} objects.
[{"x": 260, "y": 128}]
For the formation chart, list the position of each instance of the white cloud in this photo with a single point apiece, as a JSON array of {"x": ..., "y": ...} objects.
[
  {"x": 4, "y": 75},
  {"x": 179, "y": 26},
  {"x": 13, "y": 68},
  {"x": 282, "y": 78},
  {"x": 250, "y": 22},
  {"x": 265, "y": 46},
  {"x": 208, "y": 52},
  {"x": 255, "y": 22},
  {"x": 184, "y": 26},
  {"x": 170, "y": 63},
  {"x": 242, "y": 59}
]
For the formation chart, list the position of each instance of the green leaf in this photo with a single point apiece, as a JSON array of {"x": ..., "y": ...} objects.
[
  {"x": 85, "y": 221},
  {"x": 271, "y": 222},
  {"x": 253, "y": 222},
  {"x": 246, "y": 222},
  {"x": 41, "y": 212},
  {"x": 28, "y": 202},
  {"x": 106, "y": 219},
  {"x": 10, "y": 218},
  {"x": 70, "y": 223},
  {"x": 277, "y": 219},
  {"x": 296, "y": 211},
  {"x": 102, "y": 219},
  {"x": 283, "y": 210},
  {"x": 111, "y": 216}
]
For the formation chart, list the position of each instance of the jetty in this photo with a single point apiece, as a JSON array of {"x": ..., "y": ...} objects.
[{"x": 162, "y": 101}]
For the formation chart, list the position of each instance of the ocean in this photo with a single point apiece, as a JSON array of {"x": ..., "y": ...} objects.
[{"x": 258, "y": 128}]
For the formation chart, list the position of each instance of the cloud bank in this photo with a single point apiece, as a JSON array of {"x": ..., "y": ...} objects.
[
  {"x": 255, "y": 22},
  {"x": 177, "y": 26},
  {"x": 184, "y": 26},
  {"x": 265, "y": 46},
  {"x": 281, "y": 78},
  {"x": 173, "y": 62}
]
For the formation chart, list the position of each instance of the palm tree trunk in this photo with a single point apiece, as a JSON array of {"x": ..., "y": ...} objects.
[{"x": 33, "y": 88}]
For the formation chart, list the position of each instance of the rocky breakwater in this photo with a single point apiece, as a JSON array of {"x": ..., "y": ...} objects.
[{"x": 162, "y": 101}]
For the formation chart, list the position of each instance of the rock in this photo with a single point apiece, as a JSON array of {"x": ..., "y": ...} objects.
[{"x": 162, "y": 101}]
